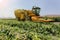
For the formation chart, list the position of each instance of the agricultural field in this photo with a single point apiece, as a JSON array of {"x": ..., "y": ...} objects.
[{"x": 28, "y": 30}]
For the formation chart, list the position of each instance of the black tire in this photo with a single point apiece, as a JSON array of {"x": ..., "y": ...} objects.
[{"x": 18, "y": 18}]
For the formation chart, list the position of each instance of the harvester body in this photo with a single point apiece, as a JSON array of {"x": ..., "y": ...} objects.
[{"x": 32, "y": 15}]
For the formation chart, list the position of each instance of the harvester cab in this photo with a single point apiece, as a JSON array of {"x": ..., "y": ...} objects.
[{"x": 36, "y": 10}]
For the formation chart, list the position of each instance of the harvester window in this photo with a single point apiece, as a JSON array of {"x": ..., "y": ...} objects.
[{"x": 36, "y": 10}]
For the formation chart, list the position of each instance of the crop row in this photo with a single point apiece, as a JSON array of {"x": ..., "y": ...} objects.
[{"x": 27, "y": 30}]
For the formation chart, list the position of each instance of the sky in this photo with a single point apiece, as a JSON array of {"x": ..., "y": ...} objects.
[{"x": 48, "y": 7}]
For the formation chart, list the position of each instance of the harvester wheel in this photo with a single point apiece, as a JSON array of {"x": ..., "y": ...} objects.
[{"x": 18, "y": 18}]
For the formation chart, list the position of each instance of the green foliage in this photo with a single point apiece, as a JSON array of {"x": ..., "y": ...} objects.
[
  {"x": 27, "y": 30},
  {"x": 57, "y": 19}
]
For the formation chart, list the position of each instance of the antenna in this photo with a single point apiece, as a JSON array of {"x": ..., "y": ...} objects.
[{"x": 35, "y": 2}]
